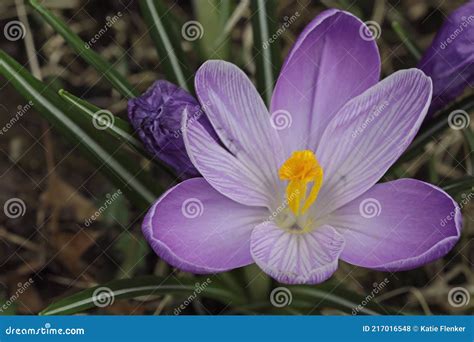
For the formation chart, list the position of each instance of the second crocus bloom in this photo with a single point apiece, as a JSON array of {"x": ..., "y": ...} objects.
[{"x": 449, "y": 61}]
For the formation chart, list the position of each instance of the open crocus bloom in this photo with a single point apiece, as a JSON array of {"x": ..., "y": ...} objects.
[{"x": 294, "y": 190}]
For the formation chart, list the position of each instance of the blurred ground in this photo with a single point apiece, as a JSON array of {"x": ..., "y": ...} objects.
[{"x": 50, "y": 243}]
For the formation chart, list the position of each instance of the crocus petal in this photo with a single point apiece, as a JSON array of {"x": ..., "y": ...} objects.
[
  {"x": 198, "y": 230},
  {"x": 241, "y": 121},
  {"x": 296, "y": 258},
  {"x": 398, "y": 225},
  {"x": 368, "y": 135},
  {"x": 329, "y": 64},
  {"x": 226, "y": 173},
  {"x": 449, "y": 61}
]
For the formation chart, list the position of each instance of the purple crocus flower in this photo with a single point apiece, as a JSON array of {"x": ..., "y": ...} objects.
[
  {"x": 294, "y": 190},
  {"x": 449, "y": 61},
  {"x": 156, "y": 116}
]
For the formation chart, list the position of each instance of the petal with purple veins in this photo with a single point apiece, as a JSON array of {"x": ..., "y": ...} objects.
[
  {"x": 198, "y": 230},
  {"x": 368, "y": 135},
  {"x": 398, "y": 225},
  {"x": 329, "y": 64},
  {"x": 296, "y": 258}
]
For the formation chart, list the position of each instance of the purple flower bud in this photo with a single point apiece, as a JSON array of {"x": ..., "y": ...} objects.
[
  {"x": 449, "y": 61},
  {"x": 156, "y": 116}
]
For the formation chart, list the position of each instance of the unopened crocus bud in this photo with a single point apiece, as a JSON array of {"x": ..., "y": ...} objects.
[
  {"x": 449, "y": 61},
  {"x": 156, "y": 116}
]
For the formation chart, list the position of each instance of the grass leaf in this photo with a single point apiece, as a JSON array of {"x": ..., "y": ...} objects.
[
  {"x": 103, "y": 151},
  {"x": 138, "y": 287},
  {"x": 80, "y": 47},
  {"x": 167, "y": 42}
]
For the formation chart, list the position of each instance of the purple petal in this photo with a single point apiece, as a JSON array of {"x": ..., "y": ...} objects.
[
  {"x": 329, "y": 64},
  {"x": 368, "y": 135},
  {"x": 156, "y": 116},
  {"x": 398, "y": 225},
  {"x": 296, "y": 258},
  {"x": 227, "y": 174},
  {"x": 196, "y": 229},
  {"x": 240, "y": 119},
  {"x": 449, "y": 61}
]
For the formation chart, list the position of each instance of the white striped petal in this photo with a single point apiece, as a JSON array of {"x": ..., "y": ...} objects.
[
  {"x": 242, "y": 122},
  {"x": 368, "y": 135},
  {"x": 296, "y": 258}
]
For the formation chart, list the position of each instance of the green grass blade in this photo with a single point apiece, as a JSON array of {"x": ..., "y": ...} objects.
[
  {"x": 265, "y": 50},
  {"x": 101, "y": 150},
  {"x": 117, "y": 127},
  {"x": 406, "y": 40},
  {"x": 141, "y": 286},
  {"x": 434, "y": 128},
  {"x": 459, "y": 185},
  {"x": 167, "y": 42},
  {"x": 213, "y": 16},
  {"x": 80, "y": 47}
]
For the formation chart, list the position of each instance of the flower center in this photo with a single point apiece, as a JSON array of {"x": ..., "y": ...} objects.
[{"x": 299, "y": 170}]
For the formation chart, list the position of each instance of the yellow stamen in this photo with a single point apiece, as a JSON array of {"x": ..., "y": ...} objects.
[{"x": 300, "y": 169}]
